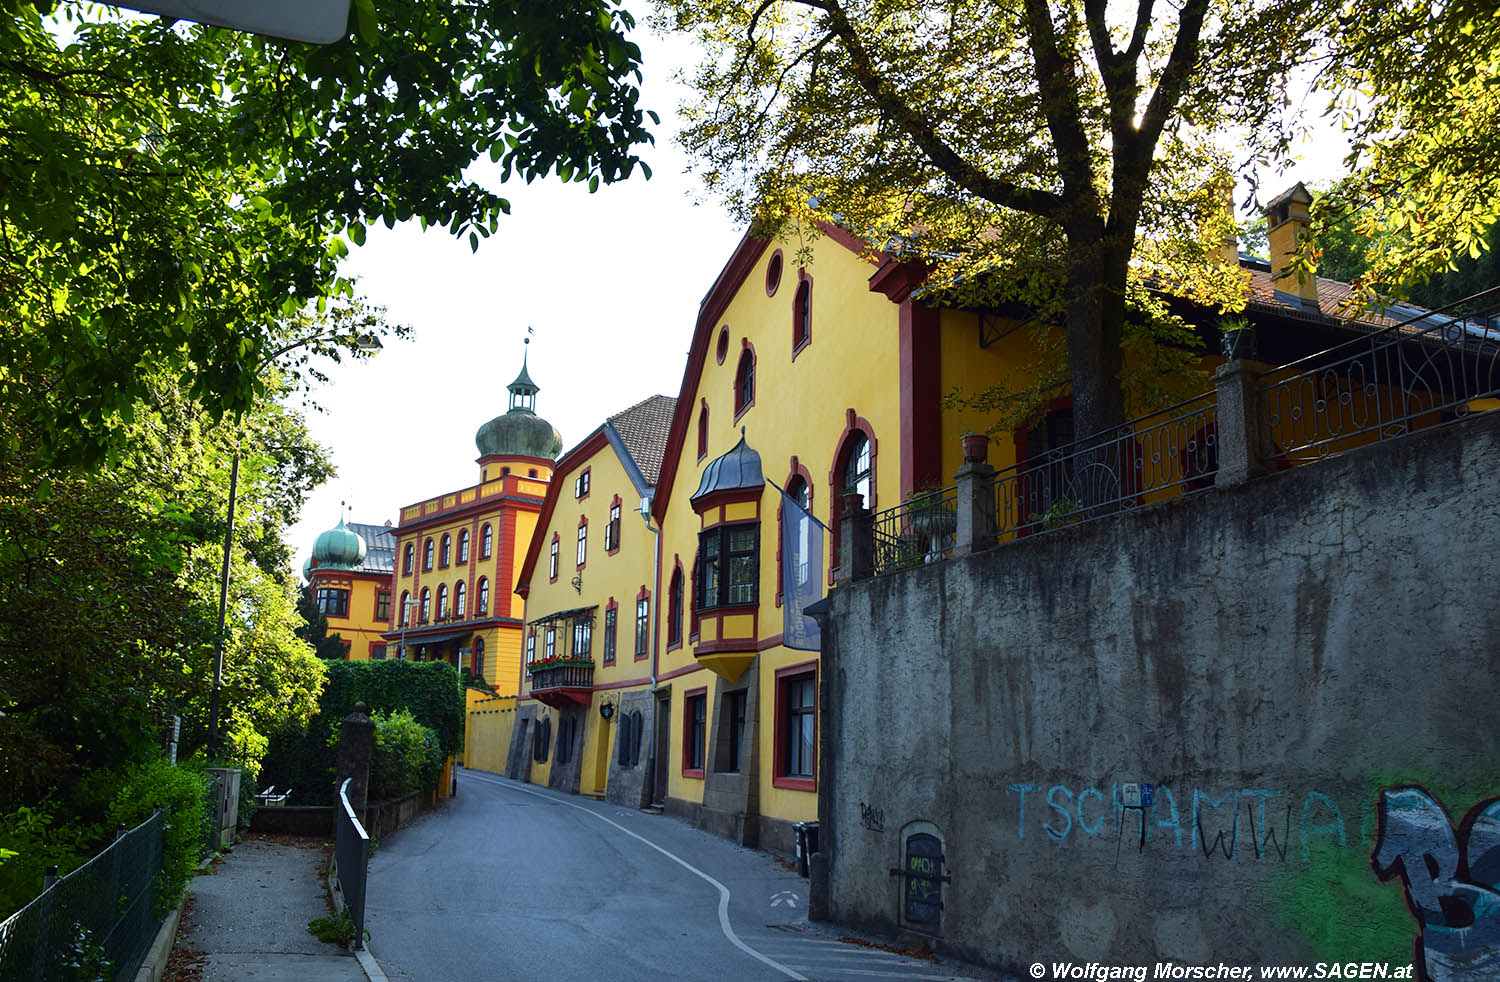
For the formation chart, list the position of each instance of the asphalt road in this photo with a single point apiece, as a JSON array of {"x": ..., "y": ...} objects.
[{"x": 510, "y": 881}]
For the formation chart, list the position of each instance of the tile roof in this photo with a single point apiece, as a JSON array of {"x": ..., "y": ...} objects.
[
  {"x": 644, "y": 429},
  {"x": 1335, "y": 304},
  {"x": 380, "y": 547}
]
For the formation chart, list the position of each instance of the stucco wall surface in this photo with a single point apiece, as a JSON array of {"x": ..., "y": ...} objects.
[{"x": 1271, "y": 658}]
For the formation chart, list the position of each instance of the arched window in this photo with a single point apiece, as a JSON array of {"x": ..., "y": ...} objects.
[
  {"x": 460, "y": 594},
  {"x": 802, "y": 314},
  {"x": 853, "y": 470},
  {"x": 703, "y": 430},
  {"x": 799, "y": 491},
  {"x": 856, "y": 467},
  {"x": 408, "y": 558},
  {"x": 427, "y": 556},
  {"x": 445, "y": 557},
  {"x": 479, "y": 658},
  {"x": 442, "y": 608},
  {"x": 482, "y": 591},
  {"x": 486, "y": 541},
  {"x": 674, "y": 608},
  {"x": 405, "y": 605},
  {"x": 425, "y": 614},
  {"x": 744, "y": 382},
  {"x": 463, "y": 546}
]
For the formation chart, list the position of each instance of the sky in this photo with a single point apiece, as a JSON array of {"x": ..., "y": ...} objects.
[{"x": 610, "y": 284}]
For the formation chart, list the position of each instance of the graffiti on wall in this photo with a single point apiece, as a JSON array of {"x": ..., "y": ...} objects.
[
  {"x": 1233, "y": 825},
  {"x": 1451, "y": 879}
]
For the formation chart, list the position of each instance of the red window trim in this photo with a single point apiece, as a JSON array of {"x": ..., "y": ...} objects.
[
  {"x": 746, "y": 348},
  {"x": 586, "y": 472},
  {"x": 554, "y": 549},
  {"x": 687, "y": 730},
  {"x": 487, "y": 552},
  {"x": 774, "y": 263},
  {"x": 703, "y": 430},
  {"x": 583, "y": 523},
  {"x": 721, "y": 344},
  {"x": 676, "y": 575},
  {"x": 778, "y": 778},
  {"x": 852, "y": 422},
  {"x": 608, "y": 657},
  {"x": 645, "y": 595},
  {"x": 445, "y": 551},
  {"x": 615, "y": 503},
  {"x": 803, "y": 281},
  {"x": 794, "y": 470}
]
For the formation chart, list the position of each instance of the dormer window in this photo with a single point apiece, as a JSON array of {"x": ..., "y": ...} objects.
[{"x": 729, "y": 566}]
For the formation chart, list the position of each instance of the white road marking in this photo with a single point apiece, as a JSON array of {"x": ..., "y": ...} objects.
[
  {"x": 787, "y": 897},
  {"x": 724, "y": 925}
]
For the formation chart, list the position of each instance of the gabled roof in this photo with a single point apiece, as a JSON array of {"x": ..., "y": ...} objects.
[
  {"x": 637, "y": 435},
  {"x": 644, "y": 427}
]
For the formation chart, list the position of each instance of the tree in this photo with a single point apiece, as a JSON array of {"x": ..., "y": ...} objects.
[
  {"x": 329, "y": 647},
  {"x": 1414, "y": 85},
  {"x": 1055, "y": 155},
  {"x": 174, "y": 195}
]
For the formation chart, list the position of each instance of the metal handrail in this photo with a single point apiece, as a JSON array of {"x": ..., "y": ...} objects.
[{"x": 351, "y": 851}]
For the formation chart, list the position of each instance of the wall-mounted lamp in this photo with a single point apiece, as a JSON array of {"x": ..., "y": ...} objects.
[
  {"x": 607, "y": 711},
  {"x": 577, "y": 582}
]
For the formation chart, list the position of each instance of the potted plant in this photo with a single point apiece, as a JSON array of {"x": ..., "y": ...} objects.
[{"x": 976, "y": 447}]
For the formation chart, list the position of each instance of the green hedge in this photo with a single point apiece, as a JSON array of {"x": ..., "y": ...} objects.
[
  {"x": 180, "y": 791},
  {"x": 406, "y": 758},
  {"x": 304, "y": 759}
]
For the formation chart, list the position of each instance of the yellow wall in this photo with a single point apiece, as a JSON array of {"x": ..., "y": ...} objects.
[
  {"x": 487, "y": 732},
  {"x": 359, "y": 628},
  {"x": 800, "y": 408},
  {"x": 604, "y": 576}
]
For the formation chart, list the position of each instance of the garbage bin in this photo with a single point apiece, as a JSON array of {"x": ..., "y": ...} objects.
[{"x": 807, "y": 844}]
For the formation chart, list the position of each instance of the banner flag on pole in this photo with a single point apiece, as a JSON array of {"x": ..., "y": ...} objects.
[{"x": 801, "y": 573}]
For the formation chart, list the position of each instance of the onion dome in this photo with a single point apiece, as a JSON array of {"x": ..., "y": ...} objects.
[
  {"x": 520, "y": 432},
  {"x": 338, "y": 548},
  {"x": 737, "y": 469},
  {"x": 307, "y": 570}
]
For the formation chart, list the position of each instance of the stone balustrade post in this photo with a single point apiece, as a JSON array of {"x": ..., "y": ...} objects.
[
  {"x": 1238, "y": 440},
  {"x": 856, "y": 540},
  {"x": 976, "y": 508},
  {"x": 356, "y": 747}
]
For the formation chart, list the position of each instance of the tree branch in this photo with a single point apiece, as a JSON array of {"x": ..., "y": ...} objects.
[
  {"x": 1058, "y": 84},
  {"x": 1005, "y": 194}
]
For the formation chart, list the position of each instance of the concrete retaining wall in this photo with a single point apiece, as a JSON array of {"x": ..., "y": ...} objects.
[{"x": 1304, "y": 667}]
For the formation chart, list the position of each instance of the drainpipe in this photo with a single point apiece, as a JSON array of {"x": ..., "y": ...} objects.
[{"x": 655, "y": 598}]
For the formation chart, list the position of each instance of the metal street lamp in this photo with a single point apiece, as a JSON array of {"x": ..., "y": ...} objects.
[
  {"x": 406, "y": 606},
  {"x": 367, "y": 343}
]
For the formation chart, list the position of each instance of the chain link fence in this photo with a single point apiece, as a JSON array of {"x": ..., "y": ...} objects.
[{"x": 96, "y": 923}]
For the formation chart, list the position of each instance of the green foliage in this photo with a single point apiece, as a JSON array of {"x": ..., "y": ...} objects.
[
  {"x": 1050, "y": 161},
  {"x": 180, "y": 792},
  {"x": 337, "y": 930},
  {"x": 303, "y": 757},
  {"x": 34, "y": 840},
  {"x": 406, "y": 757},
  {"x": 177, "y": 198},
  {"x": 329, "y": 647}
]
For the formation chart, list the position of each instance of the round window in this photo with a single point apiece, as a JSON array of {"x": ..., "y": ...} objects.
[
  {"x": 723, "y": 349},
  {"x": 773, "y": 273}
]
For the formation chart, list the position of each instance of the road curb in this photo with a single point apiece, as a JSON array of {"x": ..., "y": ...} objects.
[{"x": 161, "y": 946}]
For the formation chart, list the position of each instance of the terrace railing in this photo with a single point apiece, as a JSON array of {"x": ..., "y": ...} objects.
[
  {"x": 922, "y": 529},
  {"x": 1169, "y": 452},
  {"x": 1432, "y": 367}
]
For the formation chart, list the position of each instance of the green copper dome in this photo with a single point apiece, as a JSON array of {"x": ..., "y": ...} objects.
[
  {"x": 338, "y": 548},
  {"x": 520, "y": 432},
  {"x": 307, "y": 569}
]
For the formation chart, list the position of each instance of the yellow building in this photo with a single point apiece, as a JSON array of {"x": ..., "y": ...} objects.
[
  {"x": 589, "y": 580},
  {"x": 349, "y": 578},
  {"x": 825, "y": 380},
  {"x": 457, "y": 554}
]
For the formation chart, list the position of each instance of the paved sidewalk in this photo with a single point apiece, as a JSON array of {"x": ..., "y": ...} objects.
[{"x": 248, "y": 918}]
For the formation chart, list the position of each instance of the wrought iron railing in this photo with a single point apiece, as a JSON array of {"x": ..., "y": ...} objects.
[
  {"x": 351, "y": 856},
  {"x": 1170, "y": 452},
  {"x": 922, "y": 529},
  {"x": 1428, "y": 369},
  {"x": 95, "y": 923},
  {"x": 565, "y": 676}
]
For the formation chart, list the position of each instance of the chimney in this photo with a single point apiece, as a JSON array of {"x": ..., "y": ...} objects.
[{"x": 1287, "y": 220}]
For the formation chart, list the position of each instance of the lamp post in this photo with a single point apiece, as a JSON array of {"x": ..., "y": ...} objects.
[
  {"x": 367, "y": 343},
  {"x": 645, "y": 512}
]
